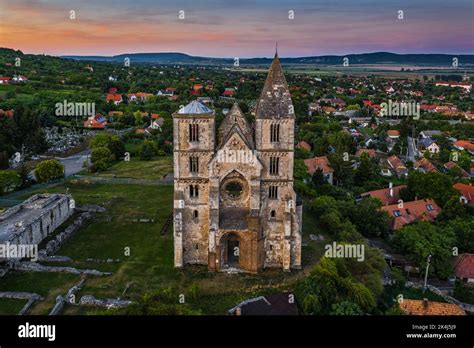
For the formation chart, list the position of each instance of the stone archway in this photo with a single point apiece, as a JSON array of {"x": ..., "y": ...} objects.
[{"x": 230, "y": 251}]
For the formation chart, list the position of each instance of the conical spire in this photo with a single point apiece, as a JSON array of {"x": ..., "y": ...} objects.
[{"x": 275, "y": 99}]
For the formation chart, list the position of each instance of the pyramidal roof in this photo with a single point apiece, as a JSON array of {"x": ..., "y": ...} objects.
[
  {"x": 235, "y": 117},
  {"x": 275, "y": 99},
  {"x": 195, "y": 108}
]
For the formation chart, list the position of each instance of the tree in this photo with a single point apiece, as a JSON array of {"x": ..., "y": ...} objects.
[
  {"x": 421, "y": 239},
  {"x": 369, "y": 219},
  {"x": 366, "y": 171},
  {"x": 147, "y": 150},
  {"x": 9, "y": 180},
  {"x": 345, "y": 308},
  {"x": 102, "y": 140},
  {"x": 101, "y": 158},
  {"x": 117, "y": 147},
  {"x": 339, "y": 161},
  {"x": 429, "y": 185},
  {"x": 463, "y": 228},
  {"x": 328, "y": 284},
  {"x": 49, "y": 170},
  {"x": 23, "y": 171}
]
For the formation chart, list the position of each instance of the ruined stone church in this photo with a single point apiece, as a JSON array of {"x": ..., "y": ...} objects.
[{"x": 234, "y": 203}]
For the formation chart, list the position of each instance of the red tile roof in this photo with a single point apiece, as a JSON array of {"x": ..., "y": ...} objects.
[
  {"x": 114, "y": 97},
  {"x": 318, "y": 163},
  {"x": 464, "y": 144},
  {"x": 451, "y": 165},
  {"x": 419, "y": 210},
  {"x": 369, "y": 152},
  {"x": 304, "y": 145},
  {"x": 464, "y": 266},
  {"x": 426, "y": 165},
  {"x": 384, "y": 194},
  {"x": 425, "y": 307},
  {"x": 393, "y": 133},
  {"x": 466, "y": 190},
  {"x": 7, "y": 113}
]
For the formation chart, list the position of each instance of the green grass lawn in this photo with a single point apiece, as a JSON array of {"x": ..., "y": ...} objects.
[
  {"x": 137, "y": 169},
  {"x": 149, "y": 267},
  {"x": 11, "y": 306}
]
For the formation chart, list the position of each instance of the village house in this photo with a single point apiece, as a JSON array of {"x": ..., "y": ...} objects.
[
  {"x": 465, "y": 85},
  {"x": 370, "y": 152},
  {"x": 95, "y": 122},
  {"x": 418, "y": 210},
  {"x": 429, "y": 133},
  {"x": 303, "y": 145},
  {"x": 19, "y": 78},
  {"x": 140, "y": 96},
  {"x": 116, "y": 99},
  {"x": 426, "y": 307},
  {"x": 450, "y": 166},
  {"x": 320, "y": 163},
  {"x": 464, "y": 145},
  {"x": 387, "y": 196},
  {"x": 464, "y": 268},
  {"x": 466, "y": 193},
  {"x": 5, "y": 79},
  {"x": 393, "y": 134},
  {"x": 425, "y": 166},
  {"x": 229, "y": 92},
  {"x": 165, "y": 93},
  {"x": 397, "y": 166},
  {"x": 427, "y": 144},
  {"x": 7, "y": 113}
]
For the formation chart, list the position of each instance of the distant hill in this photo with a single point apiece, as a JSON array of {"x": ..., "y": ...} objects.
[{"x": 365, "y": 58}]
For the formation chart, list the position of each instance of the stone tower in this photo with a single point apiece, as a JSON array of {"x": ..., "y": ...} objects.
[{"x": 234, "y": 204}]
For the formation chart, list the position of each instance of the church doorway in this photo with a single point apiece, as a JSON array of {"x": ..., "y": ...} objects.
[{"x": 230, "y": 251}]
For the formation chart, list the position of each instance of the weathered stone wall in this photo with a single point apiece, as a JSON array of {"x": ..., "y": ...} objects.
[{"x": 36, "y": 218}]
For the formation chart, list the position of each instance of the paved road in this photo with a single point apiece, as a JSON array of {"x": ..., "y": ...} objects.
[
  {"x": 411, "y": 149},
  {"x": 73, "y": 164}
]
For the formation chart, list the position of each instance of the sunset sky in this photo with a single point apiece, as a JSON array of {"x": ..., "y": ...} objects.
[{"x": 240, "y": 28}]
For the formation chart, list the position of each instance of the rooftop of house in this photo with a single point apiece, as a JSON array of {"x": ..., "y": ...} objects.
[
  {"x": 315, "y": 163},
  {"x": 464, "y": 266},
  {"x": 369, "y": 152},
  {"x": 418, "y": 210},
  {"x": 426, "y": 165},
  {"x": 466, "y": 190},
  {"x": 426, "y": 307},
  {"x": 304, "y": 145},
  {"x": 387, "y": 195}
]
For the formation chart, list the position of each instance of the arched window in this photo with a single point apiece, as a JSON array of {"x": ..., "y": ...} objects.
[
  {"x": 193, "y": 191},
  {"x": 274, "y": 133},
  {"x": 195, "y": 214},
  {"x": 273, "y": 214},
  {"x": 274, "y": 165},
  {"x": 193, "y": 132}
]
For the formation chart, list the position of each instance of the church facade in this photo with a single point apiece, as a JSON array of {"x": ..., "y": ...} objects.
[{"x": 234, "y": 203}]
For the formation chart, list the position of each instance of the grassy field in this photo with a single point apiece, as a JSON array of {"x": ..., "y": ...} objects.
[
  {"x": 136, "y": 169},
  {"x": 11, "y": 306},
  {"x": 149, "y": 267}
]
